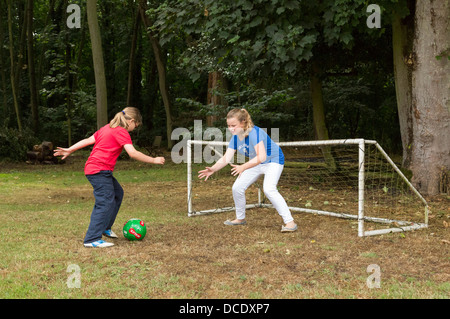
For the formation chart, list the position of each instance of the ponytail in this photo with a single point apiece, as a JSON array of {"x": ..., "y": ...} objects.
[{"x": 128, "y": 113}]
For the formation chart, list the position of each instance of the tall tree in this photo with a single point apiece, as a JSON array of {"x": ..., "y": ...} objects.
[
  {"x": 422, "y": 56},
  {"x": 2, "y": 68},
  {"x": 31, "y": 67},
  {"x": 321, "y": 130},
  {"x": 217, "y": 87},
  {"x": 161, "y": 66},
  {"x": 131, "y": 92},
  {"x": 99, "y": 67},
  {"x": 13, "y": 76},
  {"x": 402, "y": 40}
]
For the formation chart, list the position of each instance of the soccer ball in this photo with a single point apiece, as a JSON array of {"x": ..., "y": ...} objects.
[{"x": 134, "y": 229}]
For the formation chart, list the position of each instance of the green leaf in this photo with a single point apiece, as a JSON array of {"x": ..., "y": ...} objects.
[
  {"x": 234, "y": 39},
  {"x": 258, "y": 46},
  {"x": 292, "y": 4},
  {"x": 346, "y": 37},
  {"x": 255, "y": 22},
  {"x": 280, "y": 10},
  {"x": 247, "y": 5},
  {"x": 328, "y": 16},
  {"x": 271, "y": 29}
]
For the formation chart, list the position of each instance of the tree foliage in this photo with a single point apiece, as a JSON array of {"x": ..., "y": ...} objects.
[{"x": 269, "y": 51}]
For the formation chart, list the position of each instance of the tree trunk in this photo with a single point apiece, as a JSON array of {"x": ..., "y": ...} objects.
[
  {"x": 132, "y": 60},
  {"x": 430, "y": 153},
  {"x": 11, "y": 56},
  {"x": 319, "y": 115},
  {"x": 42, "y": 63},
  {"x": 216, "y": 82},
  {"x": 99, "y": 67},
  {"x": 21, "y": 46},
  {"x": 402, "y": 42},
  {"x": 79, "y": 53},
  {"x": 152, "y": 86},
  {"x": 5, "y": 107},
  {"x": 31, "y": 68},
  {"x": 160, "y": 63},
  {"x": 69, "y": 87},
  {"x": 109, "y": 49}
]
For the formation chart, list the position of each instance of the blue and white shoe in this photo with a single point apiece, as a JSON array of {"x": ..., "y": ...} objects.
[
  {"x": 98, "y": 244},
  {"x": 109, "y": 233}
]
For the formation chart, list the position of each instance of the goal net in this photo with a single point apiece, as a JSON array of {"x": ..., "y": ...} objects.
[{"x": 352, "y": 179}]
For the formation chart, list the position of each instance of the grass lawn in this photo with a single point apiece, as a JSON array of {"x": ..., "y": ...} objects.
[{"x": 45, "y": 211}]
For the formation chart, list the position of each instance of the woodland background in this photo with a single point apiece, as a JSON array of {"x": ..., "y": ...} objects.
[{"x": 313, "y": 69}]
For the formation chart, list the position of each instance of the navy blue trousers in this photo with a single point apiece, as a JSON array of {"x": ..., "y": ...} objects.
[{"x": 108, "y": 197}]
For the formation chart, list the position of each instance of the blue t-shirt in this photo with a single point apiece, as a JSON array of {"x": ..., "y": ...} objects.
[{"x": 247, "y": 146}]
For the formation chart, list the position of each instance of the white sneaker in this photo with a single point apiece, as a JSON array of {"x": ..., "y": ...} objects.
[
  {"x": 109, "y": 233},
  {"x": 98, "y": 244},
  {"x": 285, "y": 229}
]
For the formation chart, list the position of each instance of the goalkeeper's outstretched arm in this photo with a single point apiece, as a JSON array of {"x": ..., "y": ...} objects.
[{"x": 221, "y": 163}]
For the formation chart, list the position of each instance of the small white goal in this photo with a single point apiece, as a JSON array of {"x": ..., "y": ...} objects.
[{"x": 352, "y": 179}]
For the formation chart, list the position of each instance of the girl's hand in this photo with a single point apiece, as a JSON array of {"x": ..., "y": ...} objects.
[
  {"x": 207, "y": 172},
  {"x": 159, "y": 160},
  {"x": 64, "y": 152},
  {"x": 237, "y": 170}
]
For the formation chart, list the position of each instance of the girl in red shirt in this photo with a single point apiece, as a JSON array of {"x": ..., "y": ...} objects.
[{"x": 109, "y": 141}]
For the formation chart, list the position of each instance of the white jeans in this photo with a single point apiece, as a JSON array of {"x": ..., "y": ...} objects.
[{"x": 272, "y": 173}]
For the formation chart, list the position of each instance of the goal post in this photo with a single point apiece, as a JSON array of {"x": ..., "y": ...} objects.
[{"x": 363, "y": 184}]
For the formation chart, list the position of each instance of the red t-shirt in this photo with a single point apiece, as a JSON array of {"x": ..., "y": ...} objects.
[{"x": 108, "y": 145}]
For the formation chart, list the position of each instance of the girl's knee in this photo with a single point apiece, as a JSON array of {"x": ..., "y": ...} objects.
[
  {"x": 270, "y": 191},
  {"x": 237, "y": 189},
  {"x": 120, "y": 193},
  {"x": 118, "y": 190}
]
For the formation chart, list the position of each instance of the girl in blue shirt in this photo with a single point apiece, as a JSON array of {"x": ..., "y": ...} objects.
[{"x": 265, "y": 158}]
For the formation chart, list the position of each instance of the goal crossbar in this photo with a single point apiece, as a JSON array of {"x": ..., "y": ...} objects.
[{"x": 400, "y": 225}]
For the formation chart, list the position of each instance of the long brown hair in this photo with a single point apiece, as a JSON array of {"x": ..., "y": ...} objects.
[{"x": 128, "y": 113}]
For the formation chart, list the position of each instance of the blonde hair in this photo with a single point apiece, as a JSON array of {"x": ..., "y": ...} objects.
[
  {"x": 128, "y": 113},
  {"x": 242, "y": 116}
]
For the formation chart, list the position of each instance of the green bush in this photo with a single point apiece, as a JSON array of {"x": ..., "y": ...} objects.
[{"x": 14, "y": 145}]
